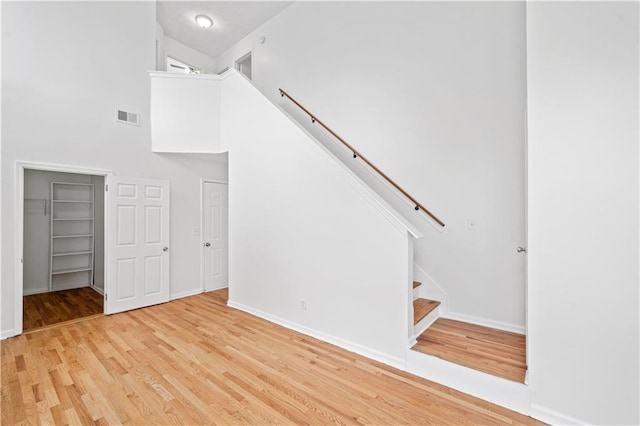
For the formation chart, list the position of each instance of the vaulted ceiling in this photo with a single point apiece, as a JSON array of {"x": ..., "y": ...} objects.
[{"x": 232, "y": 20}]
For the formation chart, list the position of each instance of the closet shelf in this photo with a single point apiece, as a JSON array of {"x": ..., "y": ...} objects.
[
  {"x": 71, "y": 270},
  {"x": 72, "y": 184},
  {"x": 73, "y": 210},
  {"x": 72, "y": 253}
]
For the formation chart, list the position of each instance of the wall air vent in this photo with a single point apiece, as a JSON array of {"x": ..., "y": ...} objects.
[{"x": 127, "y": 117}]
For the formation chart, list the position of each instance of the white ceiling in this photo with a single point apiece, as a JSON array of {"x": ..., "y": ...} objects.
[{"x": 232, "y": 20}]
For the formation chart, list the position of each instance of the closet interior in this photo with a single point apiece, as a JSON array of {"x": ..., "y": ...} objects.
[{"x": 63, "y": 255}]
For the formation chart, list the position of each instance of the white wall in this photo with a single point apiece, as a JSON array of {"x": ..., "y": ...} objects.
[
  {"x": 583, "y": 211},
  {"x": 188, "y": 55},
  {"x": 161, "y": 63},
  {"x": 302, "y": 228},
  {"x": 66, "y": 115},
  {"x": 185, "y": 113},
  {"x": 2, "y": 330},
  {"x": 98, "y": 254},
  {"x": 167, "y": 46},
  {"x": 434, "y": 94}
]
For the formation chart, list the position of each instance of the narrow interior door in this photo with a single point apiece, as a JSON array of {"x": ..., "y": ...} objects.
[
  {"x": 138, "y": 248},
  {"x": 215, "y": 257}
]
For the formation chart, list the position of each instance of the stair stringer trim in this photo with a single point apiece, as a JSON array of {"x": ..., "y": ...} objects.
[
  {"x": 380, "y": 184},
  {"x": 430, "y": 289},
  {"x": 424, "y": 324},
  {"x": 392, "y": 214}
]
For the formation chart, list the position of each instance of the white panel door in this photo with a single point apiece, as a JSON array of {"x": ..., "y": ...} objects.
[
  {"x": 215, "y": 255},
  {"x": 137, "y": 243}
]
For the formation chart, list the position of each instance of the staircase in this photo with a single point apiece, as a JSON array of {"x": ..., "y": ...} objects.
[
  {"x": 302, "y": 231},
  {"x": 425, "y": 311}
]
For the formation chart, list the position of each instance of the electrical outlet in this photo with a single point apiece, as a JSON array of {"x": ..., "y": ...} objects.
[{"x": 303, "y": 305}]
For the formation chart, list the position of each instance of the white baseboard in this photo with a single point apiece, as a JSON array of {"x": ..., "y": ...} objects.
[
  {"x": 33, "y": 291},
  {"x": 46, "y": 290},
  {"x": 416, "y": 293},
  {"x": 215, "y": 289},
  {"x": 69, "y": 287},
  {"x": 508, "y": 394},
  {"x": 97, "y": 289},
  {"x": 185, "y": 294},
  {"x": 5, "y": 334},
  {"x": 520, "y": 329},
  {"x": 553, "y": 417},
  {"x": 344, "y": 344}
]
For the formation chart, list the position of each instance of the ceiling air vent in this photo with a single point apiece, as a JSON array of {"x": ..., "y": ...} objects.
[{"x": 127, "y": 117}]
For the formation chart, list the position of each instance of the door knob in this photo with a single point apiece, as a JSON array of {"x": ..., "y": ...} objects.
[
  {"x": 165, "y": 248},
  {"x": 521, "y": 250},
  {"x": 207, "y": 244}
]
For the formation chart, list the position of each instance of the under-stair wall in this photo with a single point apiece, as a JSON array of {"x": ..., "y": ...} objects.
[{"x": 310, "y": 246}]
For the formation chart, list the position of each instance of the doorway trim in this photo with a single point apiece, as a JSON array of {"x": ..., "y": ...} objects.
[
  {"x": 20, "y": 167},
  {"x": 202, "y": 182},
  {"x": 237, "y": 63}
]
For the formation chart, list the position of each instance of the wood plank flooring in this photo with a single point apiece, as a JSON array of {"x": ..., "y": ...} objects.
[
  {"x": 44, "y": 309},
  {"x": 492, "y": 351},
  {"x": 197, "y": 361}
]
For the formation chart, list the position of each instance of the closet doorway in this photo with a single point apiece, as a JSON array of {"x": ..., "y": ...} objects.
[{"x": 63, "y": 247}]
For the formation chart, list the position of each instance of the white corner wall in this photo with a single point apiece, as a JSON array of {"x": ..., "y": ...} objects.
[
  {"x": 434, "y": 94},
  {"x": 185, "y": 113},
  {"x": 167, "y": 46},
  {"x": 303, "y": 231},
  {"x": 98, "y": 255},
  {"x": 98, "y": 55},
  {"x": 161, "y": 64},
  {"x": 188, "y": 55},
  {"x": 582, "y": 67}
]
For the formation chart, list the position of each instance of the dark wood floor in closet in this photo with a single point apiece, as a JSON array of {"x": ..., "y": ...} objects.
[{"x": 45, "y": 309}]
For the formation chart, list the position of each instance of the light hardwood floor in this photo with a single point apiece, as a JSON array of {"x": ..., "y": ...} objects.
[
  {"x": 492, "y": 351},
  {"x": 44, "y": 309},
  {"x": 196, "y": 361}
]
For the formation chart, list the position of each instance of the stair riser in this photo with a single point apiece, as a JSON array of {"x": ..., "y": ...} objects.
[{"x": 426, "y": 322}]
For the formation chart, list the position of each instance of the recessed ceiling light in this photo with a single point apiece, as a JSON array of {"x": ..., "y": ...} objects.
[{"x": 204, "y": 21}]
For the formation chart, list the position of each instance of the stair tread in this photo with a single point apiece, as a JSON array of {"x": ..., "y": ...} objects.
[
  {"x": 416, "y": 284},
  {"x": 422, "y": 308}
]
